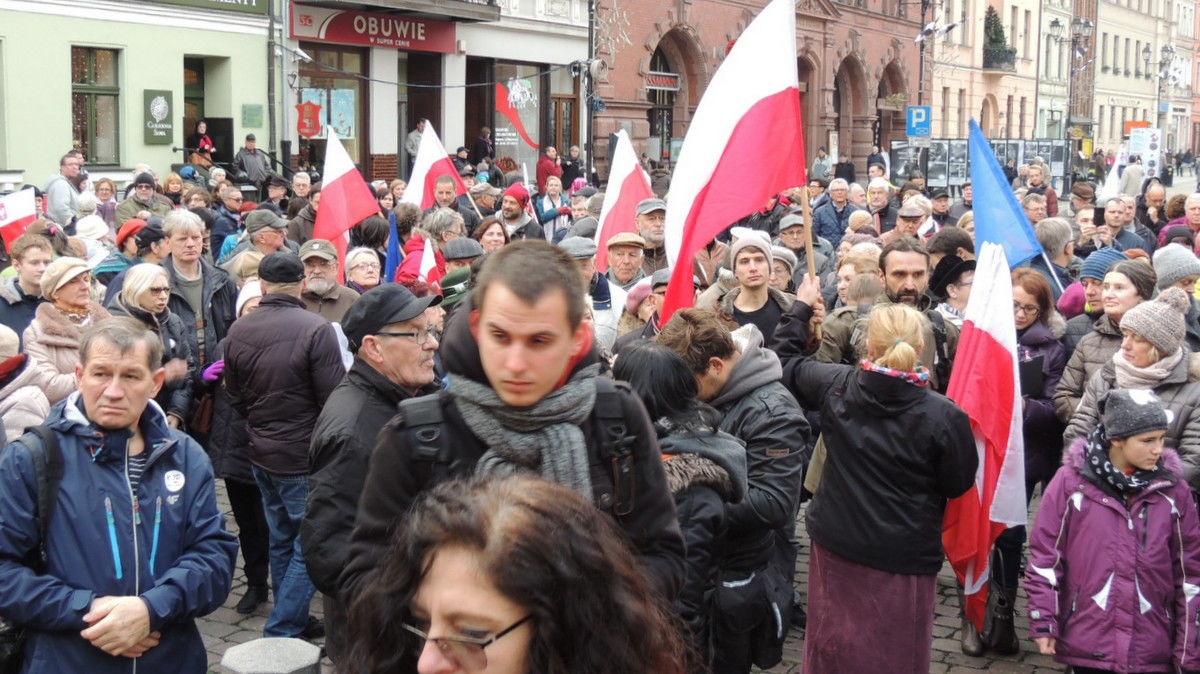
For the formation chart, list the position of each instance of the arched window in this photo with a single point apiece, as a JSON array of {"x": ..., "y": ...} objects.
[{"x": 662, "y": 102}]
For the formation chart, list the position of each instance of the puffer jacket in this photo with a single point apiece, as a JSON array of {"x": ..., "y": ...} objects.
[
  {"x": 392, "y": 485},
  {"x": 1093, "y": 351},
  {"x": 176, "y": 555},
  {"x": 1040, "y": 427},
  {"x": 175, "y": 397},
  {"x": 1079, "y": 327},
  {"x": 52, "y": 340},
  {"x": 756, "y": 409},
  {"x": 22, "y": 402},
  {"x": 281, "y": 364},
  {"x": 1179, "y": 391},
  {"x": 706, "y": 474},
  {"x": 1112, "y": 579},
  {"x": 896, "y": 454},
  {"x": 830, "y": 223}
]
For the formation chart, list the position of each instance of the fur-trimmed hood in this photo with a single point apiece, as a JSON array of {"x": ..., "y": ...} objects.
[
  {"x": 705, "y": 457},
  {"x": 775, "y": 295},
  {"x": 1076, "y": 458}
]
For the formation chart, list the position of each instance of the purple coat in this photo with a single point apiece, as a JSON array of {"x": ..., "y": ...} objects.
[
  {"x": 1041, "y": 428},
  {"x": 1116, "y": 586}
]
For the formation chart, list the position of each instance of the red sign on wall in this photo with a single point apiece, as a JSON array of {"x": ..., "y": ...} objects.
[
  {"x": 308, "y": 121},
  {"x": 372, "y": 29}
]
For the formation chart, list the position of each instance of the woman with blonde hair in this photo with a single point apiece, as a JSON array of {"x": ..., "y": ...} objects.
[{"x": 896, "y": 452}]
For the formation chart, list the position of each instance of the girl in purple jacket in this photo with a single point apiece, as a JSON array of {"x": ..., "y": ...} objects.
[{"x": 1114, "y": 558}]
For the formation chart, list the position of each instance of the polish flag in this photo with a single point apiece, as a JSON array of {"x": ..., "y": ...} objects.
[
  {"x": 745, "y": 144},
  {"x": 986, "y": 384},
  {"x": 428, "y": 267},
  {"x": 346, "y": 200},
  {"x": 432, "y": 162},
  {"x": 17, "y": 210},
  {"x": 628, "y": 184}
]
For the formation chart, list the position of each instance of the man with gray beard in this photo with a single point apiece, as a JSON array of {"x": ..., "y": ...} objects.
[{"x": 322, "y": 294}]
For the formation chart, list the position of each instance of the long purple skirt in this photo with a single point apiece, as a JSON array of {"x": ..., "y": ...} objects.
[{"x": 862, "y": 620}]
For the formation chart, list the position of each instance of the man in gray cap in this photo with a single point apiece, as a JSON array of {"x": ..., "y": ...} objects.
[
  {"x": 606, "y": 309},
  {"x": 485, "y": 197},
  {"x": 265, "y": 233},
  {"x": 394, "y": 347},
  {"x": 652, "y": 225},
  {"x": 252, "y": 162},
  {"x": 625, "y": 252},
  {"x": 461, "y": 252},
  {"x": 322, "y": 294},
  {"x": 282, "y": 362},
  {"x": 909, "y": 219}
]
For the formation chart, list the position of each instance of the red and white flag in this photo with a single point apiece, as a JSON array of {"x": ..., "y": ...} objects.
[
  {"x": 346, "y": 199},
  {"x": 744, "y": 144},
  {"x": 432, "y": 162},
  {"x": 986, "y": 384},
  {"x": 628, "y": 184},
  {"x": 428, "y": 268},
  {"x": 17, "y": 210}
]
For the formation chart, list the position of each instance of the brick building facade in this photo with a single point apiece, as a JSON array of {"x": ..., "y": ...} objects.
[{"x": 857, "y": 63}]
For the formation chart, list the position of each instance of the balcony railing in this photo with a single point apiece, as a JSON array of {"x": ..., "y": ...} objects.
[{"x": 1000, "y": 58}]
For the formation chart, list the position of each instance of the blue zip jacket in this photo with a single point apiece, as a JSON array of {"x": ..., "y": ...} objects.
[{"x": 169, "y": 546}]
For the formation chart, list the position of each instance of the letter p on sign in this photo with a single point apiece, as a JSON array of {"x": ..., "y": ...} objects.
[{"x": 920, "y": 120}]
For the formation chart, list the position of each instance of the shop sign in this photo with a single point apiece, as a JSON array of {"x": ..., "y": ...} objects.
[
  {"x": 158, "y": 125},
  {"x": 396, "y": 31},
  {"x": 246, "y": 6},
  {"x": 308, "y": 121}
]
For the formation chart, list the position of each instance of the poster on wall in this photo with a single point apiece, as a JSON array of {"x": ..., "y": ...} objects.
[
  {"x": 517, "y": 118},
  {"x": 938, "y": 172},
  {"x": 907, "y": 159},
  {"x": 318, "y": 97},
  {"x": 958, "y": 168},
  {"x": 342, "y": 112}
]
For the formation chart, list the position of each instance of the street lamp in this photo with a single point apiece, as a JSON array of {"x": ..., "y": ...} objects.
[
  {"x": 1167, "y": 56},
  {"x": 1081, "y": 33}
]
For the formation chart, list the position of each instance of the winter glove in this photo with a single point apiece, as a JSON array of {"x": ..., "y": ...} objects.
[
  {"x": 213, "y": 372},
  {"x": 564, "y": 210}
]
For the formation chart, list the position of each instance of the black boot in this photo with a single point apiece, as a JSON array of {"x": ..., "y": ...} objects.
[
  {"x": 1002, "y": 637},
  {"x": 255, "y": 595},
  {"x": 969, "y": 639}
]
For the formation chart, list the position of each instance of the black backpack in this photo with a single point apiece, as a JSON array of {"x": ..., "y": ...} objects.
[
  {"x": 423, "y": 421},
  {"x": 48, "y": 469}
]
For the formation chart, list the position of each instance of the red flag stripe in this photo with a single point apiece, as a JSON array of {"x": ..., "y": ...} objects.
[{"x": 623, "y": 215}]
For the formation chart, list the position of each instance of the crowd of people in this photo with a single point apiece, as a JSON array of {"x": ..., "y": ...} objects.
[{"x": 502, "y": 458}]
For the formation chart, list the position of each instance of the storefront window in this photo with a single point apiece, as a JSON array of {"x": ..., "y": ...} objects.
[
  {"x": 333, "y": 82},
  {"x": 518, "y": 117},
  {"x": 95, "y": 96}
]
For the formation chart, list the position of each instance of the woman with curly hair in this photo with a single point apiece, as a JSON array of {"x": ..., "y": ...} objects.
[{"x": 514, "y": 575}]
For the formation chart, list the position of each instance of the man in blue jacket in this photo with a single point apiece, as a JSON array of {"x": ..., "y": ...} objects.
[{"x": 136, "y": 548}]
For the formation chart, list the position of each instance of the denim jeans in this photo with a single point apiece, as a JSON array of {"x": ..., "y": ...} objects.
[{"x": 283, "y": 498}]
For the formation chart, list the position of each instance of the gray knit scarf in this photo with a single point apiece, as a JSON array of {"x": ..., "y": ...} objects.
[{"x": 544, "y": 438}]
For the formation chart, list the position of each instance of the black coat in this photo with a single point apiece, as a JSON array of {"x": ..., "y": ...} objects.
[
  {"x": 896, "y": 453},
  {"x": 281, "y": 364},
  {"x": 391, "y": 485},
  {"x": 228, "y": 443},
  {"x": 175, "y": 397}
]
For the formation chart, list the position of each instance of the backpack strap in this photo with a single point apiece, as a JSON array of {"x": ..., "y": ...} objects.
[
  {"x": 615, "y": 444},
  {"x": 423, "y": 420},
  {"x": 48, "y": 471}
]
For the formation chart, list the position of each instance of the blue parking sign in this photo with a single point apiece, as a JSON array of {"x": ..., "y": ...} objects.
[{"x": 919, "y": 120}]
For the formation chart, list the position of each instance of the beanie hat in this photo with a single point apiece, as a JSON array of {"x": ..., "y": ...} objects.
[
  {"x": 1129, "y": 412},
  {"x": 59, "y": 273},
  {"x": 754, "y": 239},
  {"x": 639, "y": 292},
  {"x": 1173, "y": 263},
  {"x": 252, "y": 289},
  {"x": 1098, "y": 263},
  {"x": 1178, "y": 232},
  {"x": 517, "y": 191},
  {"x": 1160, "y": 321},
  {"x": 785, "y": 256}
]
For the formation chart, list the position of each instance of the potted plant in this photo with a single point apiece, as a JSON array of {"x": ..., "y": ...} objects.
[{"x": 996, "y": 52}]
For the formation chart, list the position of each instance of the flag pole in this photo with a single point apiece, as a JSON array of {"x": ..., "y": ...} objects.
[
  {"x": 1054, "y": 276},
  {"x": 474, "y": 205},
  {"x": 809, "y": 257}
]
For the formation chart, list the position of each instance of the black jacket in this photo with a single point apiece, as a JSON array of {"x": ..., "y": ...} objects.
[
  {"x": 175, "y": 397},
  {"x": 281, "y": 364},
  {"x": 228, "y": 443},
  {"x": 391, "y": 485},
  {"x": 897, "y": 453},
  {"x": 706, "y": 473},
  {"x": 756, "y": 409}
]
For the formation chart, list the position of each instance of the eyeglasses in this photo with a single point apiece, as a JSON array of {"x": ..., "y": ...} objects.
[
  {"x": 1029, "y": 309},
  {"x": 465, "y": 652},
  {"x": 421, "y": 337},
  {"x": 160, "y": 290},
  {"x": 143, "y": 187},
  {"x": 368, "y": 266}
]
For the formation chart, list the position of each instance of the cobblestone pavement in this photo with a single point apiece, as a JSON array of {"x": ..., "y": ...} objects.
[{"x": 226, "y": 628}]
